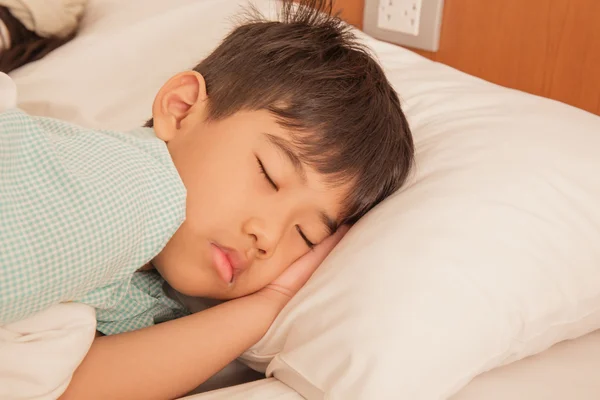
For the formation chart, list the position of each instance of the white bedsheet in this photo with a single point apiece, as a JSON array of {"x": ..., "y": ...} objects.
[{"x": 568, "y": 370}]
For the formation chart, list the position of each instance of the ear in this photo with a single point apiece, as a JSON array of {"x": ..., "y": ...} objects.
[{"x": 175, "y": 101}]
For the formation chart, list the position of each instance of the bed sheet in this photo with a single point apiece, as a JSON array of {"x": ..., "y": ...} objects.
[{"x": 568, "y": 370}]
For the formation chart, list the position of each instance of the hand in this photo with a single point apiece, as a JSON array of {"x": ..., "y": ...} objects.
[{"x": 296, "y": 275}]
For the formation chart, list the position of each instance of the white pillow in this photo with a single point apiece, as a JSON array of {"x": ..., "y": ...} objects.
[{"x": 491, "y": 253}]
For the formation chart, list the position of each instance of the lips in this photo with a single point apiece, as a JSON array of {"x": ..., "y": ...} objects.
[
  {"x": 222, "y": 263},
  {"x": 228, "y": 262}
]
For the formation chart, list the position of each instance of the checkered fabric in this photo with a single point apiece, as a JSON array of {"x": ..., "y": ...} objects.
[{"x": 80, "y": 212}]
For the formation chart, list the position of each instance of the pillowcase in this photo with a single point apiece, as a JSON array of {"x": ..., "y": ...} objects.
[{"x": 489, "y": 254}]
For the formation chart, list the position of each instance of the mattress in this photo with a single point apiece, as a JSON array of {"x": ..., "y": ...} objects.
[{"x": 568, "y": 370}]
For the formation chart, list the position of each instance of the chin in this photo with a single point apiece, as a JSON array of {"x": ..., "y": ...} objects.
[
  {"x": 186, "y": 287},
  {"x": 179, "y": 282},
  {"x": 215, "y": 291},
  {"x": 199, "y": 285}
]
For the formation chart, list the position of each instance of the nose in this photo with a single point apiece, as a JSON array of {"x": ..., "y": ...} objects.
[{"x": 264, "y": 235}]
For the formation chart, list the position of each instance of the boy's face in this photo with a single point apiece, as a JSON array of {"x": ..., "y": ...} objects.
[{"x": 252, "y": 209}]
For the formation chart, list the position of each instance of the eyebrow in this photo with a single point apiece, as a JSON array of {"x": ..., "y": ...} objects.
[{"x": 286, "y": 148}]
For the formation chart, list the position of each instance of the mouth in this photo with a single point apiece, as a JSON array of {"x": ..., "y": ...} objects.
[
  {"x": 228, "y": 262},
  {"x": 222, "y": 263}
]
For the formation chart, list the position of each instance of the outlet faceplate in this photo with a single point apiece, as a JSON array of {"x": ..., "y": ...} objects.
[
  {"x": 399, "y": 16},
  {"x": 411, "y": 23}
]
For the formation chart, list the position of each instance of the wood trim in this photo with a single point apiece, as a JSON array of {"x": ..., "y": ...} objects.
[
  {"x": 351, "y": 11},
  {"x": 549, "y": 48}
]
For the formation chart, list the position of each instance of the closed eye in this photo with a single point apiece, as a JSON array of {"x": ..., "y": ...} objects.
[
  {"x": 264, "y": 172},
  {"x": 303, "y": 236}
]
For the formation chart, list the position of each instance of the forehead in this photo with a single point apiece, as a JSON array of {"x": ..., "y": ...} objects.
[{"x": 325, "y": 191}]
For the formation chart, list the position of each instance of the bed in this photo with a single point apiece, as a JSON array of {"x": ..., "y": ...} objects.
[
  {"x": 541, "y": 341},
  {"x": 567, "y": 370}
]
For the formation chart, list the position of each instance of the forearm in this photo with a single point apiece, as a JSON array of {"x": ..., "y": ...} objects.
[{"x": 168, "y": 360}]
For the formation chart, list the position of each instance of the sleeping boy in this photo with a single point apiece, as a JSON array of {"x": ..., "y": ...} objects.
[{"x": 253, "y": 160}]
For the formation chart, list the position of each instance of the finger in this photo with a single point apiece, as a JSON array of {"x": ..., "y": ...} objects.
[
  {"x": 329, "y": 243},
  {"x": 300, "y": 271},
  {"x": 314, "y": 258}
]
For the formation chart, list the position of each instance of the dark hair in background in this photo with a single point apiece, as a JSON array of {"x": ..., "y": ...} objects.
[
  {"x": 26, "y": 45},
  {"x": 310, "y": 72}
]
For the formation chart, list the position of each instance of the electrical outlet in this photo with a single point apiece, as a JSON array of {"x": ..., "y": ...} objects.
[
  {"x": 411, "y": 23},
  {"x": 399, "y": 16}
]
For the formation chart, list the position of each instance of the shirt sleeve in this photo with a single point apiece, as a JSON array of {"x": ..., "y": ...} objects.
[
  {"x": 80, "y": 212},
  {"x": 143, "y": 303}
]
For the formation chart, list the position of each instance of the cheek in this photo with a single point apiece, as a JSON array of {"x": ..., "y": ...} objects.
[{"x": 217, "y": 191}]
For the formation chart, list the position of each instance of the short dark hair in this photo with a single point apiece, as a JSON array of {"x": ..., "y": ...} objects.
[{"x": 308, "y": 69}]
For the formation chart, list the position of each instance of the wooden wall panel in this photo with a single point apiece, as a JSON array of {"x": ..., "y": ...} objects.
[
  {"x": 352, "y": 11},
  {"x": 546, "y": 47}
]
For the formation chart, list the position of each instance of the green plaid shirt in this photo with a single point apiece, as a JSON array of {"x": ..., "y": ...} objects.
[{"x": 80, "y": 212}]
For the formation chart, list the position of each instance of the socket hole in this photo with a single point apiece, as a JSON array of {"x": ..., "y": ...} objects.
[
  {"x": 405, "y": 13},
  {"x": 412, "y": 21}
]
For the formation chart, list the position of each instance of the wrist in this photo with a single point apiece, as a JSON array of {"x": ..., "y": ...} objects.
[{"x": 273, "y": 299}]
